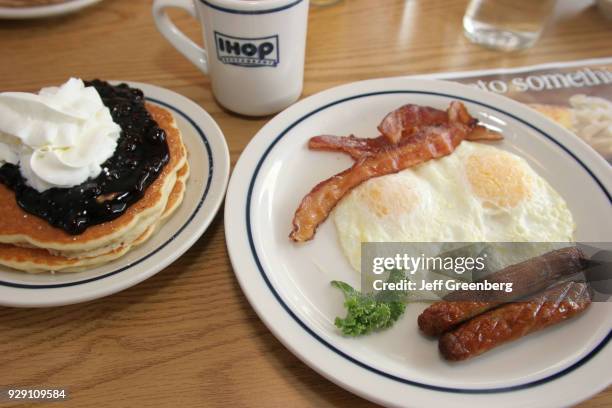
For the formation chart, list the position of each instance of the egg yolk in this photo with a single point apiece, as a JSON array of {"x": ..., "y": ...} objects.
[
  {"x": 388, "y": 199},
  {"x": 498, "y": 179}
]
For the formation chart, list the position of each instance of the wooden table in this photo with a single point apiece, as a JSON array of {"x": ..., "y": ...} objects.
[{"x": 187, "y": 336}]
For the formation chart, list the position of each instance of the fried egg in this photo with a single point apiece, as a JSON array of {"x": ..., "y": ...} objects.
[{"x": 479, "y": 193}]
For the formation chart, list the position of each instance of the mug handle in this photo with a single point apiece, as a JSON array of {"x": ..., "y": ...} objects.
[{"x": 194, "y": 53}]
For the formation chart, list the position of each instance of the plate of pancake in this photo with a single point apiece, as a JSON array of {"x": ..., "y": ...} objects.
[
  {"x": 410, "y": 160},
  {"x": 47, "y": 261},
  {"x": 25, "y": 9}
]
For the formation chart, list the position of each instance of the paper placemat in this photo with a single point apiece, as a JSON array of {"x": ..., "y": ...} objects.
[{"x": 577, "y": 94}]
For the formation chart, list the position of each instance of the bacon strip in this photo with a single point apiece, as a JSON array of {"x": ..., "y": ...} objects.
[
  {"x": 399, "y": 125},
  {"x": 429, "y": 142},
  {"x": 355, "y": 147},
  {"x": 408, "y": 119},
  {"x": 482, "y": 133}
]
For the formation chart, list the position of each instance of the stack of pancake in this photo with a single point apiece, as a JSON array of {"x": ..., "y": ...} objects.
[{"x": 31, "y": 244}]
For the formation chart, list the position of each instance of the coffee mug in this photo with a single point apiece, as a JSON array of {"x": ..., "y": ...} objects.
[{"x": 253, "y": 49}]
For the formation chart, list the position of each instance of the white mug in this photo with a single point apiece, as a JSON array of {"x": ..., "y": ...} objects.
[{"x": 254, "y": 49}]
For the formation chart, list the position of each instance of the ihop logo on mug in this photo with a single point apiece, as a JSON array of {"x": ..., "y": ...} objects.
[{"x": 247, "y": 52}]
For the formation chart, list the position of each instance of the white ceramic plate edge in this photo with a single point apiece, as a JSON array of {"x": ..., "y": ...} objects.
[
  {"x": 45, "y": 11},
  {"x": 315, "y": 354}
]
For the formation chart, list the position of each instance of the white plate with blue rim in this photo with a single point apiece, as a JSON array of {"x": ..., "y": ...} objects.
[
  {"x": 45, "y": 10},
  {"x": 209, "y": 163},
  {"x": 288, "y": 285}
]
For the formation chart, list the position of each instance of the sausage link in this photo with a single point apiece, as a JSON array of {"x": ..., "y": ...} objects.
[
  {"x": 527, "y": 277},
  {"x": 440, "y": 317},
  {"x": 515, "y": 320}
]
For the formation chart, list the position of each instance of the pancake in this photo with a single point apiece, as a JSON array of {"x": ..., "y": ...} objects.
[
  {"x": 20, "y": 228},
  {"x": 37, "y": 260},
  {"x": 178, "y": 192},
  {"x": 31, "y": 244}
]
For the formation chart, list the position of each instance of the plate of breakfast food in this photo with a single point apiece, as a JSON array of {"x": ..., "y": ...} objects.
[
  {"x": 24, "y": 9},
  {"x": 102, "y": 185},
  {"x": 398, "y": 160}
]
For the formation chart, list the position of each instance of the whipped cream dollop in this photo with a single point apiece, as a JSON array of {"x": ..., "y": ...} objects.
[{"x": 58, "y": 137}]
